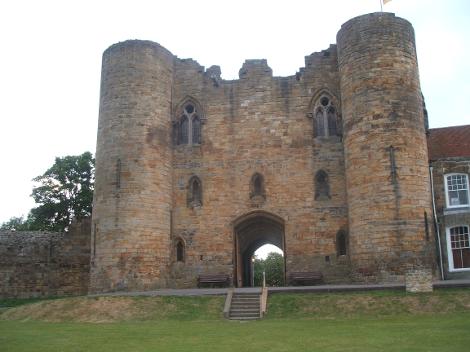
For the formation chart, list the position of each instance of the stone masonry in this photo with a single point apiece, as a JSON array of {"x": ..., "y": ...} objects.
[
  {"x": 194, "y": 173},
  {"x": 41, "y": 264},
  {"x": 419, "y": 280}
]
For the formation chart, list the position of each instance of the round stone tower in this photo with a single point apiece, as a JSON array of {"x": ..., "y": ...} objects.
[
  {"x": 132, "y": 199},
  {"x": 385, "y": 147}
]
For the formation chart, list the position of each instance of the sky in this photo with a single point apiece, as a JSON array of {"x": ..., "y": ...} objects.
[{"x": 50, "y": 62}]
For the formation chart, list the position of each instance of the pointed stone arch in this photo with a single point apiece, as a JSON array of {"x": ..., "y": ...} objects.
[
  {"x": 188, "y": 99},
  {"x": 188, "y": 118},
  {"x": 319, "y": 93},
  {"x": 179, "y": 249},
  {"x": 257, "y": 186},
  {"x": 251, "y": 231},
  {"x": 194, "y": 192},
  {"x": 325, "y": 111},
  {"x": 322, "y": 185},
  {"x": 342, "y": 243}
]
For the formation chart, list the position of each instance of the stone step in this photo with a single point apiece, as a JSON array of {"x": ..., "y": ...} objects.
[
  {"x": 242, "y": 299},
  {"x": 243, "y": 313},
  {"x": 244, "y": 318},
  {"x": 251, "y": 304},
  {"x": 246, "y": 315},
  {"x": 246, "y": 298},
  {"x": 245, "y": 306}
]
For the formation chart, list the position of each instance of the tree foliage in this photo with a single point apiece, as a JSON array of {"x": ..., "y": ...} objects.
[
  {"x": 63, "y": 192},
  {"x": 15, "y": 224},
  {"x": 273, "y": 266}
]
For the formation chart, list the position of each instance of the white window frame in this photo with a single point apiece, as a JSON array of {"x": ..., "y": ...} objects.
[
  {"x": 450, "y": 256},
  {"x": 448, "y": 205}
]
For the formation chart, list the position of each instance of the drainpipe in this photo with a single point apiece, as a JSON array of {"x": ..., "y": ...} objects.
[{"x": 436, "y": 224}]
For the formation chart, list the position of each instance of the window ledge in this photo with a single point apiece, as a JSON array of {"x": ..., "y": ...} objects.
[
  {"x": 457, "y": 210},
  {"x": 188, "y": 146},
  {"x": 333, "y": 139},
  {"x": 458, "y": 270}
]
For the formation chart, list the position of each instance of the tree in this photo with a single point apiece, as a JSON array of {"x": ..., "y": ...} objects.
[
  {"x": 273, "y": 266},
  {"x": 258, "y": 269},
  {"x": 64, "y": 192},
  {"x": 15, "y": 224}
]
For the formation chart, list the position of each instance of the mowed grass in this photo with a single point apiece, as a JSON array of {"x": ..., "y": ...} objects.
[{"x": 377, "y": 321}]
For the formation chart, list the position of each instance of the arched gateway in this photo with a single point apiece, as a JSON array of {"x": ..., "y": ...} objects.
[{"x": 252, "y": 231}]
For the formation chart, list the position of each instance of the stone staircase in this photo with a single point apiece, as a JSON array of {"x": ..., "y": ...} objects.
[{"x": 245, "y": 306}]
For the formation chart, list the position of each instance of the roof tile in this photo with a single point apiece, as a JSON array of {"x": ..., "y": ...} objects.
[{"x": 449, "y": 142}]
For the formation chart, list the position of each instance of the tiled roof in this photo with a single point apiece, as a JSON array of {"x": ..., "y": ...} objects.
[{"x": 449, "y": 142}]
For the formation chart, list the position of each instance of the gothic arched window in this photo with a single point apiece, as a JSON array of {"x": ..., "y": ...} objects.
[
  {"x": 180, "y": 251},
  {"x": 257, "y": 185},
  {"x": 331, "y": 121},
  {"x": 319, "y": 123},
  {"x": 322, "y": 187},
  {"x": 189, "y": 125},
  {"x": 196, "y": 127},
  {"x": 194, "y": 192},
  {"x": 341, "y": 243},
  {"x": 183, "y": 131},
  {"x": 325, "y": 118}
]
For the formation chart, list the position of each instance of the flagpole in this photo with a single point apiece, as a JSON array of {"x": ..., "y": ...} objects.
[{"x": 381, "y": 6}]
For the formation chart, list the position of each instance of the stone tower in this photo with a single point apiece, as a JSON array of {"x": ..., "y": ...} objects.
[
  {"x": 132, "y": 200},
  {"x": 387, "y": 178}
]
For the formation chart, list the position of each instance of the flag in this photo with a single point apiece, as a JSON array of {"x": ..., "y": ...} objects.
[{"x": 385, "y": 1}]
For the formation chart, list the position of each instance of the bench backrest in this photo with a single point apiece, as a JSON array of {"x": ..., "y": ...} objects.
[
  {"x": 215, "y": 277},
  {"x": 306, "y": 275}
]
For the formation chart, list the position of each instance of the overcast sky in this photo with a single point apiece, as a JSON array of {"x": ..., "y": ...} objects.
[{"x": 50, "y": 61}]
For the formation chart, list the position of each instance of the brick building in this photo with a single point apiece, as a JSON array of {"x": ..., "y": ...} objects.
[
  {"x": 194, "y": 173},
  {"x": 449, "y": 157}
]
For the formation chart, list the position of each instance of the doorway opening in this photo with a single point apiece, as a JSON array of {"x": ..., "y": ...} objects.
[
  {"x": 251, "y": 232},
  {"x": 268, "y": 266}
]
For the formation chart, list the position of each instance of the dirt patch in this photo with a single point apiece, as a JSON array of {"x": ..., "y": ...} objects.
[
  {"x": 93, "y": 310},
  {"x": 117, "y": 309}
]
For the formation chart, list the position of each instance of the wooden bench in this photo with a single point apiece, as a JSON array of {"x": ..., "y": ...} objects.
[
  {"x": 213, "y": 279},
  {"x": 312, "y": 277}
]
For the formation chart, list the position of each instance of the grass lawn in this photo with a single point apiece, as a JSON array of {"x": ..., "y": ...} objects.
[{"x": 382, "y": 321}]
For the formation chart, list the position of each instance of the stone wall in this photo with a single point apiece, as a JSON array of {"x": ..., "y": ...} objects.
[
  {"x": 259, "y": 124},
  {"x": 41, "y": 264},
  {"x": 419, "y": 279}
]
